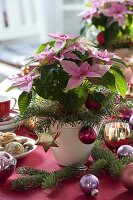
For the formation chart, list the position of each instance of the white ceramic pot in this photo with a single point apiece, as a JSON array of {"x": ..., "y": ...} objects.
[{"x": 71, "y": 150}]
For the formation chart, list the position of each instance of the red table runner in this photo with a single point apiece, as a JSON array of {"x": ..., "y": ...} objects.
[{"x": 69, "y": 190}]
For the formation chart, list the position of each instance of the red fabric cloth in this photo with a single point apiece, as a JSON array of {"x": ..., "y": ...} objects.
[{"x": 69, "y": 190}]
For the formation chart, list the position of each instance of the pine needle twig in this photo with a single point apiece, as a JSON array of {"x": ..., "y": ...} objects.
[
  {"x": 30, "y": 171},
  {"x": 106, "y": 160},
  {"x": 27, "y": 182},
  {"x": 127, "y": 160},
  {"x": 49, "y": 112},
  {"x": 98, "y": 166},
  {"x": 47, "y": 180},
  {"x": 53, "y": 179}
]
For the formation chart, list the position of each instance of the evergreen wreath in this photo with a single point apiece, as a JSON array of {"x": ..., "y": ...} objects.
[{"x": 44, "y": 113}]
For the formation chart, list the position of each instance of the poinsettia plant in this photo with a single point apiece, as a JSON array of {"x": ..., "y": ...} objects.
[
  {"x": 72, "y": 72},
  {"x": 113, "y": 20}
]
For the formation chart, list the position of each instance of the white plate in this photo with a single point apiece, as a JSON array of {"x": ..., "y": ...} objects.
[
  {"x": 7, "y": 127},
  {"x": 9, "y": 124},
  {"x": 28, "y": 152}
]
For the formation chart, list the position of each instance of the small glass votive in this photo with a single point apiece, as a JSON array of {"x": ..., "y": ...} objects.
[{"x": 116, "y": 134}]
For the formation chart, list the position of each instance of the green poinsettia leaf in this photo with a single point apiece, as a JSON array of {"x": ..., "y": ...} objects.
[
  {"x": 24, "y": 101},
  {"x": 112, "y": 31},
  {"x": 69, "y": 101},
  {"x": 44, "y": 86},
  {"x": 97, "y": 97},
  {"x": 52, "y": 82},
  {"x": 10, "y": 88},
  {"x": 82, "y": 91},
  {"x": 119, "y": 61},
  {"x": 39, "y": 88},
  {"x": 120, "y": 82},
  {"x": 43, "y": 46},
  {"x": 72, "y": 100},
  {"x": 100, "y": 21},
  {"x": 108, "y": 81},
  {"x": 88, "y": 4}
]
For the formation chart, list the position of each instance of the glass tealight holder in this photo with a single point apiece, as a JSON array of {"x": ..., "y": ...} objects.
[{"x": 116, "y": 134}]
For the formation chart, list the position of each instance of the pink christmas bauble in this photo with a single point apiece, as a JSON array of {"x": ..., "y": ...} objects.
[
  {"x": 89, "y": 184},
  {"x": 127, "y": 176},
  {"x": 7, "y": 165},
  {"x": 131, "y": 122},
  {"x": 124, "y": 151}
]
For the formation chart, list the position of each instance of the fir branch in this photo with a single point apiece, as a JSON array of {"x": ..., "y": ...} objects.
[
  {"x": 52, "y": 180},
  {"x": 47, "y": 180},
  {"x": 27, "y": 182},
  {"x": 56, "y": 177},
  {"x": 30, "y": 171},
  {"x": 48, "y": 113},
  {"x": 113, "y": 165},
  {"x": 98, "y": 166},
  {"x": 127, "y": 160},
  {"x": 101, "y": 133},
  {"x": 99, "y": 152}
]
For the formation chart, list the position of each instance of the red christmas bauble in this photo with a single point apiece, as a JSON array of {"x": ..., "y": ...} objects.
[
  {"x": 87, "y": 135},
  {"x": 125, "y": 114},
  {"x": 93, "y": 105},
  {"x": 100, "y": 38},
  {"x": 127, "y": 176}
]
